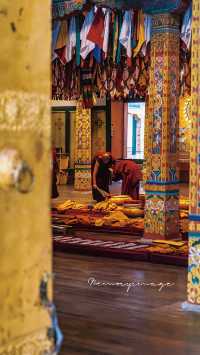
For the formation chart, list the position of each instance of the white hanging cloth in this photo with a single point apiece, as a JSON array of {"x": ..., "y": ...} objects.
[
  {"x": 125, "y": 34},
  {"x": 86, "y": 45},
  {"x": 147, "y": 32},
  {"x": 106, "y": 32},
  {"x": 186, "y": 29},
  {"x": 71, "y": 43},
  {"x": 147, "y": 27}
]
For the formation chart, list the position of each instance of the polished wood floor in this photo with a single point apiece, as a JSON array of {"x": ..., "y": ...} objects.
[{"x": 108, "y": 320}]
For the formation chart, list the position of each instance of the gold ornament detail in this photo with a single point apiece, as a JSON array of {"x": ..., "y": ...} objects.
[
  {"x": 184, "y": 125},
  {"x": 82, "y": 148},
  {"x": 22, "y": 111},
  {"x": 33, "y": 344}
]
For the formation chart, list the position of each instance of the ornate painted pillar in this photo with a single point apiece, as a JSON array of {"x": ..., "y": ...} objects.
[
  {"x": 146, "y": 141},
  {"x": 82, "y": 149},
  {"x": 194, "y": 211},
  {"x": 162, "y": 188}
]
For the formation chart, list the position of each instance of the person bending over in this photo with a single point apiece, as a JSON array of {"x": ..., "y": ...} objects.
[
  {"x": 54, "y": 189},
  {"x": 130, "y": 174},
  {"x": 101, "y": 176}
]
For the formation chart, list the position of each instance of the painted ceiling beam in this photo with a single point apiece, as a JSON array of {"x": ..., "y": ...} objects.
[
  {"x": 148, "y": 6},
  {"x": 61, "y": 8}
]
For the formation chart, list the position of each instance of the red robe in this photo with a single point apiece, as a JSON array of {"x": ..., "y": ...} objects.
[
  {"x": 54, "y": 190},
  {"x": 131, "y": 174}
]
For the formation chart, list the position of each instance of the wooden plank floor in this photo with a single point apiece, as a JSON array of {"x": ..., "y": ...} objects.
[{"x": 108, "y": 320}]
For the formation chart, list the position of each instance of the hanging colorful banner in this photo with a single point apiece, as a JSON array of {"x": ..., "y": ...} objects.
[{"x": 61, "y": 8}]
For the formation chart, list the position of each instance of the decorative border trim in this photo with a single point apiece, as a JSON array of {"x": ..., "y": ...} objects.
[
  {"x": 194, "y": 217},
  {"x": 154, "y": 182},
  {"x": 169, "y": 193},
  {"x": 165, "y": 29},
  {"x": 22, "y": 111},
  {"x": 82, "y": 169},
  {"x": 194, "y": 234}
]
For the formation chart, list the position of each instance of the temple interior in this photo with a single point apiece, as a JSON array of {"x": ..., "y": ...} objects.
[
  {"x": 99, "y": 177},
  {"x": 121, "y": 88}
]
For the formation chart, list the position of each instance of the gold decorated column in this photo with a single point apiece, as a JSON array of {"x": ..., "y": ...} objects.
[
  {"x": 194, "y": 210},
  {"x": 162, "y": 188},
  {"x": 82, "y": 148},
  {"x": 25, "y": 243}
]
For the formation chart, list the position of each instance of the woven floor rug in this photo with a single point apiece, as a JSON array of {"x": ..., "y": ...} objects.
[{"x": 111, "y": 245}]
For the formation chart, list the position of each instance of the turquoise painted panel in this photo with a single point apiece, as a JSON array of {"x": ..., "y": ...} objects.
[{"x": 134, "y": 136}]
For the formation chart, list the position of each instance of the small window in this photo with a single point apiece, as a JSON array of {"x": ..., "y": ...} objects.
[{"x": 135, "y": 130}]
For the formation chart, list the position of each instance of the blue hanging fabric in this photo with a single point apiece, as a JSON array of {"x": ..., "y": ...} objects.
[
  {"x": 45, "y": 302},
  {"x": 78, "y": 43},
  {"x": 186, "y": 27},
  {"x": 97, "y": 54},
  {"x": 119, "y": 44},
  {"x": 133, "y": 40},
  {"x": 58, "y": 336},
  {"x": 147, "y": 27},
  {"x": 55, "y": 32}
]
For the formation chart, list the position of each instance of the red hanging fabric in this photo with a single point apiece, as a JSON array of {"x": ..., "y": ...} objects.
[{"x": 96, "y": 33}]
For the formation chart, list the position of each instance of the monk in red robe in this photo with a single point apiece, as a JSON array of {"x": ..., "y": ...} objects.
[
  {"x": 130, "y": 174},
  {"x": 101, "y": 175},
  {"x": 54, "y": 189}
]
